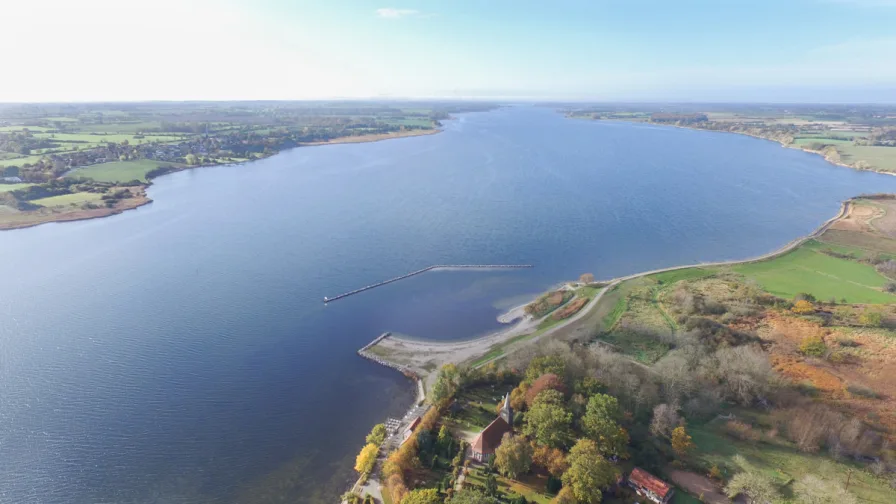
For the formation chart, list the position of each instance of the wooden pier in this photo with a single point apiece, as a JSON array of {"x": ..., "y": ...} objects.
[{"x": 424, "y": 270}]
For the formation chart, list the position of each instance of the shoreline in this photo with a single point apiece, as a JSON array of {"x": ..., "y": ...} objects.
[
  {"x": 144, "y": 200},
  {"x": 101, "y": 213},
  {"x": 744, "y": 133},
  {"x": 438, "y": 353}
]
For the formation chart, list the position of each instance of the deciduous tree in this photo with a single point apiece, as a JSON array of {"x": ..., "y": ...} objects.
[
  {"x": 422, "y": 496},
  {"x": 600, "y": 423},
  {"x": 552, "y": 459},
  {"x": 588, "y": 472},
  {"x": 681, "y": 441},
  {"x": 513, "y": 456},
  {"x": 548, "y": 381},
  {"x": 377, "y": 434},
  {"x": 753, "y": 485},
  {"x": 543, "y": 365},
  {"x": 366, "y": 459},
  {"x": 548, "y": 421},
  {"x": 811, "y": 489},
  {"x": 665, "y": 418}
]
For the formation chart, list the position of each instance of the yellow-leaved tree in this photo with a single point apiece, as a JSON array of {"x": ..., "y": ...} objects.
[
  {"x": 366, "y": 459},
  {"x": 681, "y": 441}
]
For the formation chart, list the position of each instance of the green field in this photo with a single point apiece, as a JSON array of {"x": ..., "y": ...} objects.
[
  {"x": 13, "y": 187},
  {"x": 806, "y": 141},
  {"x": 670, "y": 277},
  {"x": 68, "y": 199},
  {"x": 882, "y": 158},
  {"x": 823, "y": 276},
  {"x": 122, "y": 127},
  {"x": 7, "y": 129},
  {"x": 119, "y": 171},
  {"x": 783, "y": 463},
  {"x": 87, "y": 140},
  {"x": 20, "y": 161}
]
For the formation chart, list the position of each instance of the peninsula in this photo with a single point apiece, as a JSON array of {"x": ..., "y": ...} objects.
[{"x": 686, "y": 380}]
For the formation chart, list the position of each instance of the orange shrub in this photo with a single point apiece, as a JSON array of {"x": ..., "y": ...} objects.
[{"x": 569, "y": 309}]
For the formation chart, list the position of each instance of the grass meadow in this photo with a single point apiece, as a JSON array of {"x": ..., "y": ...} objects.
[
  {"x": 808, "y": 270},
  {"x": 119, "y": 171}
]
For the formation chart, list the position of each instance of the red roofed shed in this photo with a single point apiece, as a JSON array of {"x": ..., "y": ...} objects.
[{"x": 649, "y": 486}]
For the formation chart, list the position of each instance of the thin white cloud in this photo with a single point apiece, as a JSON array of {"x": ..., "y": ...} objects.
[{"x": 393, "y": 13}]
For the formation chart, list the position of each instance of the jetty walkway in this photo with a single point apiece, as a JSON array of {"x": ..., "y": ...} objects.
[{"x": 424, "y": 270}]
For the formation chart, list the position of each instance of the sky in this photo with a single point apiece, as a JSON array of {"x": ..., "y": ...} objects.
[{"x": 588, "y": 50}]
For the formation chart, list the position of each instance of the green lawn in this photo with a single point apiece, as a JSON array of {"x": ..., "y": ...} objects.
[
  {"x": 68, "y": 199},
  {"x": 825, "y": 277},
  {"x": 13, "y": 187},
  {"x": 783, "y": 463},
  {"x": 119, "y": 171}
]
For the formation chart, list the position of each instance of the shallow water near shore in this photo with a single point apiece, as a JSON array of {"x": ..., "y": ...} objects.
[{"x": 180, "y": 353}]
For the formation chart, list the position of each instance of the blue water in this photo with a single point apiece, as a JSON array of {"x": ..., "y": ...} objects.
[{"x": 181, "y": 353}]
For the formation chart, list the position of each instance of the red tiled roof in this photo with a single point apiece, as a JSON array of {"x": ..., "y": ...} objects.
[
  {"x": 490, "y": 437},
  {"x": 413, "y": 425},
  {"x": 644, "y": 479}
]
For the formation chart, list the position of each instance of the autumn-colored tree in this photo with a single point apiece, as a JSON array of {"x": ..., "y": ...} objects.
[
  {"x": 548, "y": 381},
  {"x": 681, "y": 441},
  {"x": 552, "y": 459},
  {"x": 513, "y": 456},
  {"x": 423, "y": 496},
  {"x": 518, "y": 397},
  {"x": 588, "y": 472},
  {"x": 429, "y": 420},
  {"x": 803, "y": 307},
  {"x": 366, "y": 459},
  {"x": 586, "y": 278},
  {"x": 543, "y": 365},
  {"x": 548, "y": 421},
  {"x": 588, "y": 386},
  {"x": 396, "y": 487},
  {"x": 715, "y": 473}
]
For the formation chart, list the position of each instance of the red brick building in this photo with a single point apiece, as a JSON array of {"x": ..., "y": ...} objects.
[{"x": 485, "y": 444}]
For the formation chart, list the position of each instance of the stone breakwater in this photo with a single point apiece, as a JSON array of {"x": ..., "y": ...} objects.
[
  {"x": 365, "y": 353},
  {"x": 328, "y": 299}
]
